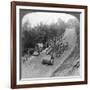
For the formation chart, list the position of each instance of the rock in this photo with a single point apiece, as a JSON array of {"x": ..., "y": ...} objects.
[
  {"x": 35, "y": 53},
  {"x": 48, "y": 60}
]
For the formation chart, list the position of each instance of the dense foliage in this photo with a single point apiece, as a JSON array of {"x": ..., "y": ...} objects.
[{"x": 41, "y": 33}]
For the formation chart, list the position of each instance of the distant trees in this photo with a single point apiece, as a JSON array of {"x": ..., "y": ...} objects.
[{"x": 41, "y": 33}]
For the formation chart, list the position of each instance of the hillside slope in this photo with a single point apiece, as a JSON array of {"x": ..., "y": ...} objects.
[{"x": 65, "y": 65}]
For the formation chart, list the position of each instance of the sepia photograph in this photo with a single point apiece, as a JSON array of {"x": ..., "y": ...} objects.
[{"x": 49, "y": 44}]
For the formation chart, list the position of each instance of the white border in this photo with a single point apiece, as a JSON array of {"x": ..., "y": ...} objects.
[{"x": 50, "y": 80}]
